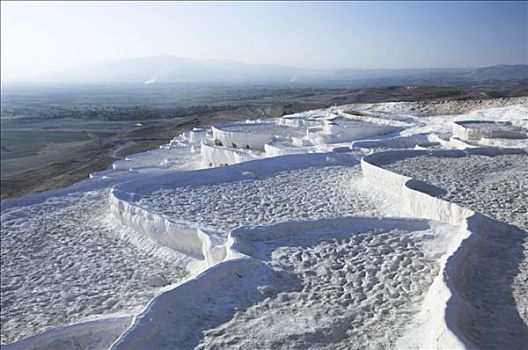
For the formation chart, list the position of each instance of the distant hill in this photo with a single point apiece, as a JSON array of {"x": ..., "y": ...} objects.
[
  {"x": 173, "y": 69},
  {"x": 499, "y": 72}
]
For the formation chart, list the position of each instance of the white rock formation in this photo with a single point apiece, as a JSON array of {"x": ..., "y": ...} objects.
[{"x": 309, "y": 238}]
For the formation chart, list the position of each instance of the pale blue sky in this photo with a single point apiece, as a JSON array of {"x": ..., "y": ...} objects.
[{"x": 39, "y": 38}]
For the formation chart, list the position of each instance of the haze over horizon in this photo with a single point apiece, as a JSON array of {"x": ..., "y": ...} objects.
[{"x": 314, "y": 35}]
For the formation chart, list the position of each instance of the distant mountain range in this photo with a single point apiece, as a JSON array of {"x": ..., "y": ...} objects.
[{"x": 172, "y": 69}]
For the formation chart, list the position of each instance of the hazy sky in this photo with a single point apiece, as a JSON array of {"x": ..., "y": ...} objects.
[{"x": 42, "y": 37}]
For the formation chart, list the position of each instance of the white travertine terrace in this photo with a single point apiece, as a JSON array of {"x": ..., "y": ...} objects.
[
  {"x": 477, "y": 129},
  {"x": 329, "y": 229},
  {"x": 238, "y": 142}
]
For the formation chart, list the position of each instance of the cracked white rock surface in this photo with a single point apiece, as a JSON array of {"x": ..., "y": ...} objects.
[{"x": 64, "y": 261}]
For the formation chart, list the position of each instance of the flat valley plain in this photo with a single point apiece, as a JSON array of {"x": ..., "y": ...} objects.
[{"x": 55, "y": 136}]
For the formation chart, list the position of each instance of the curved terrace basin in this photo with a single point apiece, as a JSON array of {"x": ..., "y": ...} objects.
[
  {"x": 251, "y": 135},
  {"x": 329, "y": 284}
]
